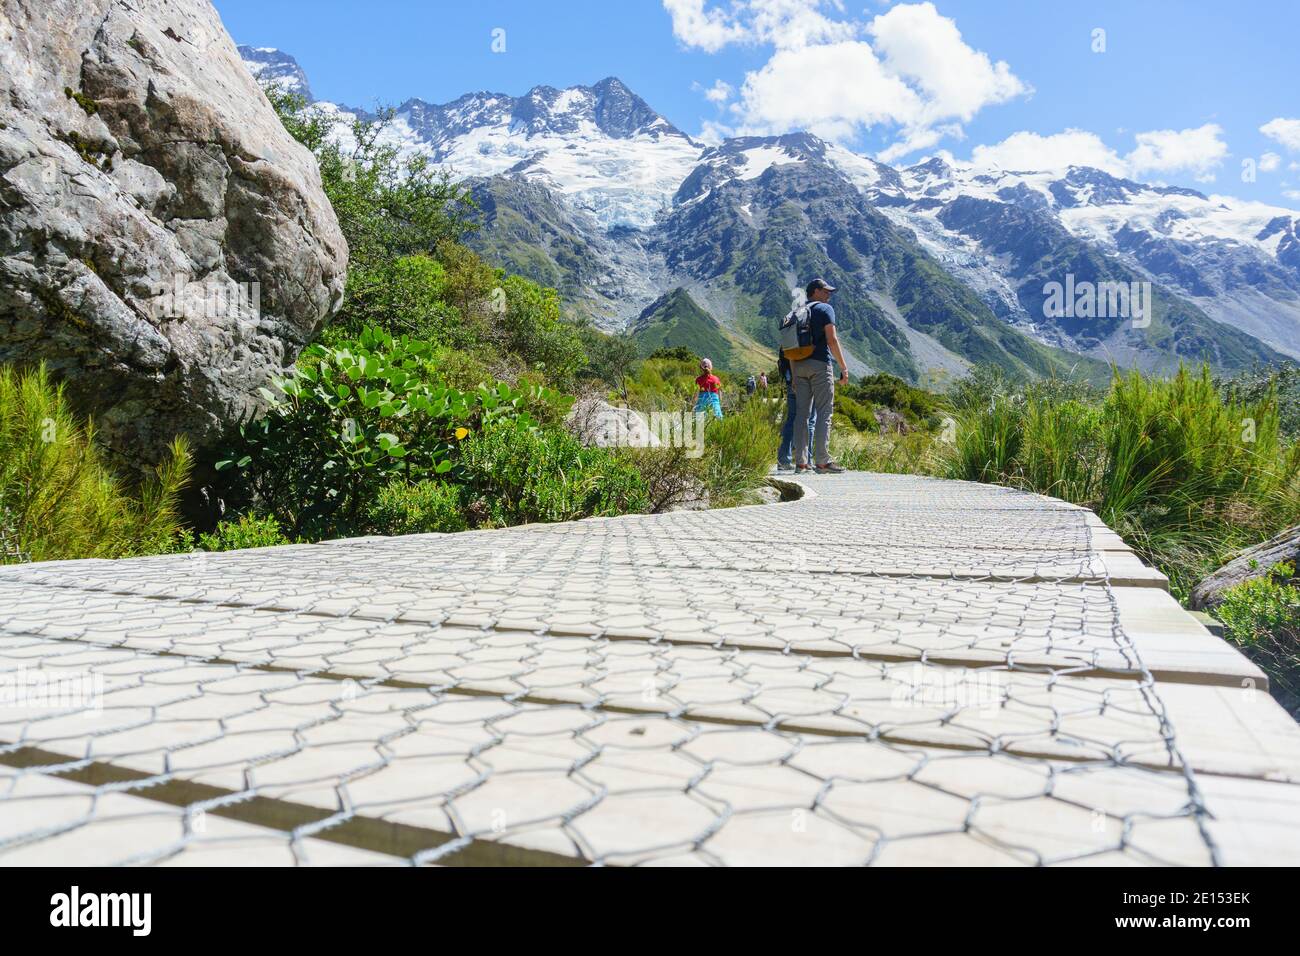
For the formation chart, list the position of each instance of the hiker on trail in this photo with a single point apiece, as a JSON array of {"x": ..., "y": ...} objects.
[
  {"x": 750, "y": 385},
  {"x": 762, "y": 381},
  {"x": 809, "y": 341},
  {"x": 784, "y": 459},
  {"x": 710, "y": 386}
]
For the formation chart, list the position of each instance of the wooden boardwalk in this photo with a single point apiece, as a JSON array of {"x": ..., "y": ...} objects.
[{"x": 892, "y": 670}]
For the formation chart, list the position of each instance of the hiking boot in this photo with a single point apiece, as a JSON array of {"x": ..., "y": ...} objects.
[
  {"x": 802, "y": 470},
  {"x": 785, "y": 469},
  {"x": 830, "y": 468}
]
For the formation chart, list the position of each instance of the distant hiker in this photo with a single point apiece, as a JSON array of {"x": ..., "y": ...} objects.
[
  {"x": 750, "y": 385},
  {"x": 762, "y": 381},
  {"x": 808, "y": 340},
  {"x": 710, "y": 385},
  {"x": 784, "y": 461}
]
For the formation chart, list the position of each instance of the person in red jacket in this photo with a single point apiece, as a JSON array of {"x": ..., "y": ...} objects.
[{"x": 710, "y": 398}]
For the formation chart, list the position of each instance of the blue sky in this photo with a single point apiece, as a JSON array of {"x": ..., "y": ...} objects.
[{"x": 1178, "y": 94}]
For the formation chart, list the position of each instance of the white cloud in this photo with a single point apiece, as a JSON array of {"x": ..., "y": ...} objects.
[
  {"x": 712, "y": 133},
  {"x": 711, "y": 30},
  {"x": 784, "y": 24},
  {"x": 792, "y": 24},
  {"x": 719, "y": 92},
  {"x": 1054, "y": 153},
  {"x": 1293, "y": 194},
  {"x": 1197, "y": 151},
  {"x": 915, "y": 42},
  {"x": 907, "y": 69},
  {"x": 1270, "y": 162},
  {"x": 918, "y": 139},
  {"x": 1284, "y": 131},
  {"x": 834, "y": 93}
]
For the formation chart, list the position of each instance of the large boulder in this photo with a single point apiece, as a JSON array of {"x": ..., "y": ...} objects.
[
  {"x": 165, "y": 246},
  {"x": 1254, "y": 562}
]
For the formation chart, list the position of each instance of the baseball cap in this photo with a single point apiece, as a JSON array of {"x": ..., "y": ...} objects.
[{"x": 818, "y": 284}]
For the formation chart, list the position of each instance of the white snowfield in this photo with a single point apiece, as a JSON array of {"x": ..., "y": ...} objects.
[
  {"x": 1191, "y": 218},
  {"x": 954, "y": 674},
  {"x": 619, "y": 181}
]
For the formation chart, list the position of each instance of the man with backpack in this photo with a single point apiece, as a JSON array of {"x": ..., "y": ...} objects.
[{"x": 808, "y": 341}]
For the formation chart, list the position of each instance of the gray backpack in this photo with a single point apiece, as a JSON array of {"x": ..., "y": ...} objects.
[{"x": 795, "y": 333}]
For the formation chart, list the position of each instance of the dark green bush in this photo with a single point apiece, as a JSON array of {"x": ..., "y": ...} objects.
[
  {"x": 524, "y": 475},
  {"x": 422, "y": 508},
  {"x": 247, "y": 532},
  {"x": 408, "y": 296},
  {"x": 357, "y": 415},
  {"x": 855, "y": 414},
  {"x": 917, "y": 405},
  {"x": 1262, "y": 617}
]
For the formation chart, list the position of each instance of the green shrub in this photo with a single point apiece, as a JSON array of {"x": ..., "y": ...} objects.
[
  {"x": 610, "y": 358},
  {"x": 858, "y": 416},
  {"x": 1280, "y": 383},
  {"x": 247, "y": 532},
  {"x": 675, "y": 353},
  {"x": 422, "y": 508},
  {"x": 666, "y": 383},
  {"x": 356, "y": 415},
  {"x": 530, "y": 326},
  {"x": 979, "y": 388},
  {"x": 523, "y": 475},
  {"x": 409, "y": 272},
  {"x": 58, "y": 500},
  {"x": 1262, "y": 617},
  {"x": 462, "y": 370},
  {"x": 918, "y": 406},
  {"x": 671, "y": 475},
  {"x": 739, "y": 451},
  {"x": 408, "y": 296},
  {"x": 388, "y": 206}
]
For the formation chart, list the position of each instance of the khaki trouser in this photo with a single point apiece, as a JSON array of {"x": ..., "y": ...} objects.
[{"x": 814, "y": 386}]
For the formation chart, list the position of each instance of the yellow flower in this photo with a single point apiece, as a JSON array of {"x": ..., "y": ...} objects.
[{"x": 461, "y": 433}]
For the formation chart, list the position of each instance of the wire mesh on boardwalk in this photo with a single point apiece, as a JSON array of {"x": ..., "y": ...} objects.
[{"x": 897, "y": 670}]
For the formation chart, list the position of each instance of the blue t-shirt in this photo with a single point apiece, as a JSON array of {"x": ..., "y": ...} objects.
[{"x": 820, "y": 316}]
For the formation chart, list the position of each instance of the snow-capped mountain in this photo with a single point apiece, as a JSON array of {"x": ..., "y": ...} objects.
[
  {"x": 1237, "y": 260},
  {"x": 590, "y": 190},
  {"x": 269, "y": 65},
  {"x": 600, "y": 147}
]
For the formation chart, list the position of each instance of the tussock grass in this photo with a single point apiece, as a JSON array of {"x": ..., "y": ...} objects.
[
  {"x": 1185, "y": 473},
  {"x": 916, "y": 453},
  {"x": 58, "y": 499},
  {"x": 739, "y": 450}
]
